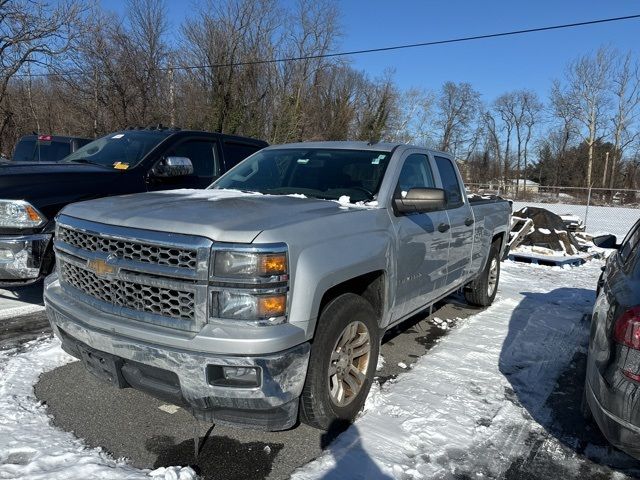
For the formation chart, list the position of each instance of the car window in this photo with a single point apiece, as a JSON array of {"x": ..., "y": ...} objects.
[
  {"x": 119, "y": 150},
  {"x": 314, "y": 172},
  {"x": 416, "y": 173},
  {"x": 235, "y": 152},
  {"x": 40, "y": 151},
  {"x": 202, "y": 154},
  {"x": 449, "y": 182},
  {"x": 630, "y": 243}
]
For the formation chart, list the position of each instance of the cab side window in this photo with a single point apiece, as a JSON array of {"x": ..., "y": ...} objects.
[
  {"x": 416, "y": 173},
  {"x": 203, "y": 156},
  {"x": 450, "y": 182},
  {"x": 235, "y": 152},
  {"x": 630, "y": 243}
]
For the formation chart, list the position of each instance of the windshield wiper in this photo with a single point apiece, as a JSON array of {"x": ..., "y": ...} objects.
[{"x": 85, "y": 161}]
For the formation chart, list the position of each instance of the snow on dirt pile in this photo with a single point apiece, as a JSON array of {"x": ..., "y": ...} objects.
[
  {"x": 31, "y": 447},
  {"x": 548, "y": 231},
  {"x": 468, "y": 408}
]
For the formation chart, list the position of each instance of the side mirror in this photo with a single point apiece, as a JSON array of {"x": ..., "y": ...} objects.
[
  {"x": 173, "y": 167},
  {"x": 606, "y": 241},
  {"x": 421, "y": 200}
]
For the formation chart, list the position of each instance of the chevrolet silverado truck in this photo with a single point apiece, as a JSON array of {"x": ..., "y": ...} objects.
[
  {"x": 128, "y": 161},
  {"x": 263, "y": 299}
]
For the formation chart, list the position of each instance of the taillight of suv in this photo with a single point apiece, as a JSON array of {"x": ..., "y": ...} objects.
[{"x": 626, "y": 332}]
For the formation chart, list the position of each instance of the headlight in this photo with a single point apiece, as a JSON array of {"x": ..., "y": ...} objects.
[
  {"x": 20, "y": 214},
  {"x": 264, "y": 308},
  {"x": 249, "y": 282},
  {"x": 249, "y": 264}
]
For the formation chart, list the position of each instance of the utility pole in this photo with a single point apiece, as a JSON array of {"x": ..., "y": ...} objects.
[
  {"x": 606, "y": 166},
  {"x": 96, "y": 105},
  {"x": 172, "y": 98}
]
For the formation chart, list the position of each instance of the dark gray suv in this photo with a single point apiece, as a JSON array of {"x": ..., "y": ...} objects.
[{"x": 612, "y": 388}]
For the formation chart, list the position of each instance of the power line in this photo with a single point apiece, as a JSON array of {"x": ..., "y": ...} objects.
[{"x": 375, "y": 50}]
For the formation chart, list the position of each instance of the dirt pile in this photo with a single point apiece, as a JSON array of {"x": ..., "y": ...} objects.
[{"x": 549, "y": 231}]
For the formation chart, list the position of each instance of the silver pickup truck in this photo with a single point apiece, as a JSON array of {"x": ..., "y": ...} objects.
[{"x": 264, "y": 298}]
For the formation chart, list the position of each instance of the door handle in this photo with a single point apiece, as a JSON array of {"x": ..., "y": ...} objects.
[
  {"x": 443, "y": 227},
  {"x": 469, "y": 221}
]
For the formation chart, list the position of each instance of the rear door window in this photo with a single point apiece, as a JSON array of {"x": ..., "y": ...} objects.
[
  {"x": 235, "y": 152},
  {"x": 203, "y": 156},
  {"x": 450, "y": 182},
  {"x": 32, "y": 150}
]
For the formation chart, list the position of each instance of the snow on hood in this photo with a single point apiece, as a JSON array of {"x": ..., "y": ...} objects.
[{"x": 221, "y": 215}]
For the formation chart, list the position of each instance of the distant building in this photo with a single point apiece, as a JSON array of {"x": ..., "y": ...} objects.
[{"x": 527, "y": 185}]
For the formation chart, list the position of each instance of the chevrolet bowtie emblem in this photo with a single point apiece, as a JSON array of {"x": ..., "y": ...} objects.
[{"x": 100, "y": 267}]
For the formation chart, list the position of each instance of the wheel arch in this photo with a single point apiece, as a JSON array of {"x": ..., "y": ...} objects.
[{"x": 372, "y": 286}]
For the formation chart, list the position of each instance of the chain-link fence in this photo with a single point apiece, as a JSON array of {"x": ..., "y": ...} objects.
[{"x": 599, "y": 210}]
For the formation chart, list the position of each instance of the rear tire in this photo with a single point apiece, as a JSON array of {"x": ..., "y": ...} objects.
[
  {"x": 482, "y": 291},
  {"x": 342, "y": 364}
]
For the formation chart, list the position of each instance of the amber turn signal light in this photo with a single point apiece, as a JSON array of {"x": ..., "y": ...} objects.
[
  {"x": 272, "y": 306},
  {"x": 273, "y": 264},
  {"x": 32, "y": 214}
]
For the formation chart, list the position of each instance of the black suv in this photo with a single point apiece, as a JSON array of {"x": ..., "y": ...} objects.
[
  {"x": 46, "y": 148},
  {"x": 127, "y": 161},
  {"x": 612, "y": 387}
]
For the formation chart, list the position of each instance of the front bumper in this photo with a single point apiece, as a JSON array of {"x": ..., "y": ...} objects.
[
  {"x": 21, "y": 257},
  {"x": 179, "y": 375}
]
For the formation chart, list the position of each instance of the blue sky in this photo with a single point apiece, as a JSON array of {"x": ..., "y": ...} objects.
[{"x": 493, "y": 66}]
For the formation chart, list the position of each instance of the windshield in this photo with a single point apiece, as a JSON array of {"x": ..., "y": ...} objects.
[
  {"x": 319, "y": 173},
  {"x": 33, "y": 150},
  {"x": 121, "y": 150}
]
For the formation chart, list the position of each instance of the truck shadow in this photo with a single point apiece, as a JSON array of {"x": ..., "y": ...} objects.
[
  {"x": 254, "y": 460},
  {"x": 546, "y": 374},
  {"x": 28, "y": 293},
  {"x": 238, "y": 460},
  {"x": 342, "y": 441}
]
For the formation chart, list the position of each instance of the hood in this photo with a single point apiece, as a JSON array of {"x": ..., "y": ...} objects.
[
  {"x": 49, "y": 186},
  {"x": 221, "y": 215}
]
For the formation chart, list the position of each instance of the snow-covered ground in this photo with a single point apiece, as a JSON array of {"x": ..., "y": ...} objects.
[
  {"x": 467, "y": 409},
  {"x": 615, "y": 220},
  {"x": 30, "y": 447}
]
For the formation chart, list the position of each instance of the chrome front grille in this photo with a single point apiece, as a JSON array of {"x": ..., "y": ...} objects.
[
  {"x": 146, "y": 298},
  {"x": 159, "y": 278},
  {"x": 129, "y": 250}
]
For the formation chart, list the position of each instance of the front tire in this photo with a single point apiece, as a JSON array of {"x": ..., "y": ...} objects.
[
  {"x": 482, "y": 291},
  {"x": 342, "y": 363}
]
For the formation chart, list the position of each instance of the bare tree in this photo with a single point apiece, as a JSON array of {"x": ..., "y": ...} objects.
[
  {"x": 379, "y": 103},
  {"x": 505, "y": 108},
  {"x": 564, "y": 112},
  {"x": 457, "y": 107},
  {"x": 227, "y": 33},
  {"x": 527, "y": 115},
  {"x": 533, "y": 109},
  {"x": 588, "y": 82},
  {"x": 414, "y": 115},
  {"x": 493, "y": 142},
  {"x": 32, "y": 34},
  {"x": 625, "y": 79}
]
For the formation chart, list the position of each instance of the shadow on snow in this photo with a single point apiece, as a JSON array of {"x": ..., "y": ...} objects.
[{"x": 546, "y": 371}]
